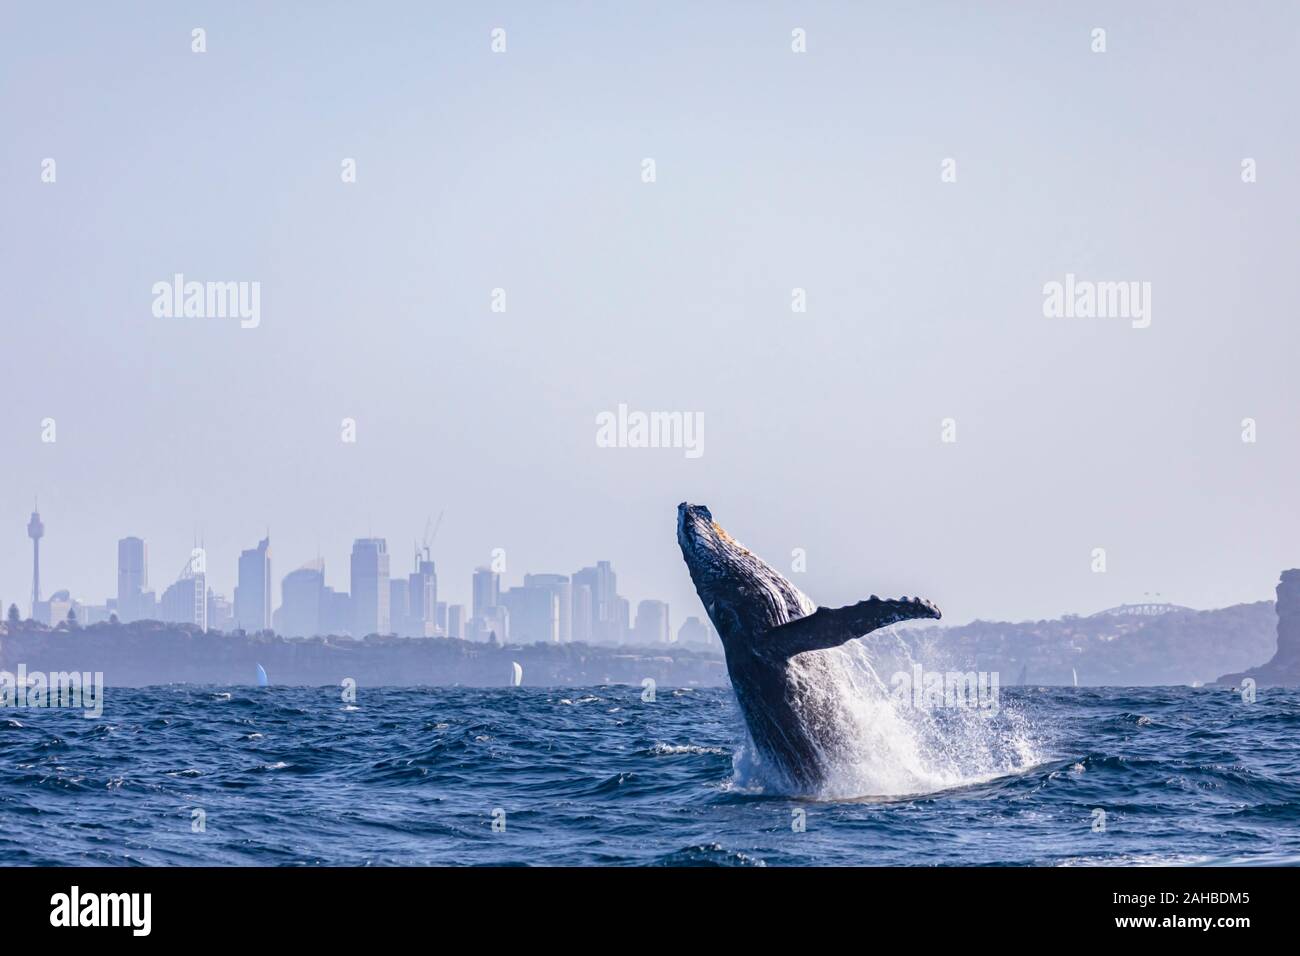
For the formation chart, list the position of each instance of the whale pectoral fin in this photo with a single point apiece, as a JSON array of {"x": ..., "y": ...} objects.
[{"x": 830, "y": 627}]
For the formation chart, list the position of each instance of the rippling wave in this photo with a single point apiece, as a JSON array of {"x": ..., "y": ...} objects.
[{"x": 597, "y": 776}]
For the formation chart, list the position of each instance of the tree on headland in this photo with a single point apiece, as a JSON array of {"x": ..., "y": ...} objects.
[
  {"x": 72, "y": 617},
  {"x": 14, "y": 616}
]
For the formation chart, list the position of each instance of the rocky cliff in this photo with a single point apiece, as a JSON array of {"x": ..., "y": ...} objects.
[{"x": 1284, "y": 669}]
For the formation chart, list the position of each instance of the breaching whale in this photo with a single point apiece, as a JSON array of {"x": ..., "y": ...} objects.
[{"x": 771, "y": 633}]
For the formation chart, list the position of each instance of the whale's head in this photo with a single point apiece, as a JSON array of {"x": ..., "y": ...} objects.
[{"x": 740, "y": 591}]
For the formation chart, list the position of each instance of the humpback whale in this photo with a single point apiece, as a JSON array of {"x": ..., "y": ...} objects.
[{"x": 773, "y": 637}]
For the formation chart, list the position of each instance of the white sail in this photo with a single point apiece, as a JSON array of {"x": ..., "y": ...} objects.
[
  {"x": 516, "y": 674},
  {"x": 262, "y": 680},
  {"x": 1076, "y": 676}
]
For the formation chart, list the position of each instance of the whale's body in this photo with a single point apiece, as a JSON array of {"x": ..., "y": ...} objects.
[{"x": 772, "y": 634}]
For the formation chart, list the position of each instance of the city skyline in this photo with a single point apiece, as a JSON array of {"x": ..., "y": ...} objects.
[
  {"x": 546, "y": 606},
  {"x": 612, "y": 618}
]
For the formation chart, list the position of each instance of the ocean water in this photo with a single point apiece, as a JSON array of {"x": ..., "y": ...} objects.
[{"x": 296, "y": 776}]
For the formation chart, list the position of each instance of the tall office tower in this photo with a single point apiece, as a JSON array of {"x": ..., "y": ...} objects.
[
  {"x": 199, "y": 579},
  {"x": 399, "y": 606},
  {"x": 186, "y": 601},
  {"x": 221, "y": 614},
  {"x": 336, "y": 615},
  {"x": 36, "y": 531},
  {"x": 581, "y": 611},
  {"x": 652, "y": 623},
  {"x": 442, "y": 617},
  {"x": 608, "y": 615},
  {"x": 621, "y": 625},
  {"x": 487, "y": 590},
  {"x": 370, "y": 593},
  {"x": 253, "y": 592},
  {"x": 147, "y": 610},
  {"x": 174, "y": 603},
  {"x": 534, "y": 614},
  {"x": 557, "y": 584},
  {"x": 456, "y": 621},
  {"x": 584, "y": 605},
  {"x": 303, "y": 602},
  {"x": 132, "y": 578},
  {"x": 422, "y": 594}
]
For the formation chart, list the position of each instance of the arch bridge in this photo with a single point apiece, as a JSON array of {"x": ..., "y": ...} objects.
[{"x": 1149, "y": 609}]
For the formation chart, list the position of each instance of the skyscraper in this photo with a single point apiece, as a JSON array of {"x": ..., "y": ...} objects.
[
  {"x": 36, "y": 531},
  {"x": 456, "y": 620},
  {"x": 582, "y": 615},
  {"x": 534, "y": 614},
  {"x": 302, "y": 601},
  {"x": 221, "y": 613},
  {"x": 370, "y": 594},
  {"x": 253, "y": 592},
  {"x": 621, "y": 625},
  {"x": 422, "y": 598},
  {"x": 557, "y": 584},
  {"x": 487, "y": 591},
  {"x": 186, "y": 601},
  {"x": 336, "y": 615},
  {"x": 652, "y": 623},
  {"x": 399, "y": 606},
  {"x": 132, "y": 578},
  {"x": 608, "y": 613}
]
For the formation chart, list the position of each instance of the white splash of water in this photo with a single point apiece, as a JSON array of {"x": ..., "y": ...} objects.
[{"x": 878, "y": 746}]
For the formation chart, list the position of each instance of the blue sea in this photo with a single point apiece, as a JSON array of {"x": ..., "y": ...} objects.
[{"x": 297, "y": 776}]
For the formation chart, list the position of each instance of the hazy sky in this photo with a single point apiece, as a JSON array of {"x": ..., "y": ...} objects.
[{"x": 775, "y": 170}]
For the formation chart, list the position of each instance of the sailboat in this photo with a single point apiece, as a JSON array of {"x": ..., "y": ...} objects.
[
  {"x": 1024, "y": 673},
  {"x": 262, "y": 680},
  {"x": 516, "y": 674},
  {"x": 1075, "y": 674}
]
